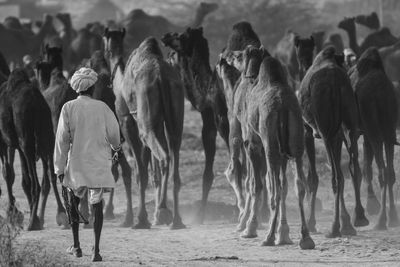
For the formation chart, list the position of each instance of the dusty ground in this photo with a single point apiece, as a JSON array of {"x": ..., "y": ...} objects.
[{"x": 216, "y": 242}]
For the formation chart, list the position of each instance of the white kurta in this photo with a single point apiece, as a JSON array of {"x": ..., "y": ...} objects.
[{"x": 86, "y": 130}]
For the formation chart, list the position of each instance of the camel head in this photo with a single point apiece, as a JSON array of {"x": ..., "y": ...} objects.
[
  {"x": 186, "y": 42},
  {"x": 304, "y": 51},
  {"x": 242, "y": 35},
  {"x": 113, "y": 42},
  {"x": 247, "y": 61},
  {"x": 347, "y": 24},
  {"x": 224, "y": 69},
  {"x": 43, "y": 73},
  {"x": 370, "y": 21},
  {"x": 53, "y": 55},
  {"x": 206, "y": 8}
]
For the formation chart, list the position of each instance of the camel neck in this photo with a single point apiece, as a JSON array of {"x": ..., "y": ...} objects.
[{"x": 352, "y": 33}]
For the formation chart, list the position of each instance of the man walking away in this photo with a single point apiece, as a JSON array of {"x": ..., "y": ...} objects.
[{"x": 87, "y": 128}]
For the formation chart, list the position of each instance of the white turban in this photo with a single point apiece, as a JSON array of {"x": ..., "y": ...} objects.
[{"x": 83, "y": 79}]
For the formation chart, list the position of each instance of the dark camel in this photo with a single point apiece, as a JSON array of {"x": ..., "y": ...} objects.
[
  {"x": 378, "y": 114},
  {"x": 329, "y": 108},
  {"x": 203, "y": 92},
  {"x": 17, "y": 43},
  {"x": 370, "y": 21},
  {"x": 4, "y": 70},
  {"x": 140, "y": 25},
  {"x": 272, "y": 120},
  {"x": 25, "y": 125}
]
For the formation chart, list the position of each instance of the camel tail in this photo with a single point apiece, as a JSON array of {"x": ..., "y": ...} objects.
[
  {"x": 165, "y": 87},
  {"x": 283, "y": 132}
]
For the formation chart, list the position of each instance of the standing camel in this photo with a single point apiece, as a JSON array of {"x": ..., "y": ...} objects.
[
  {"x": 202, "y": 90},
  {"x": 329, "y": 108},
  {"x": 272, "y": 119},
  {"x": 158, "y": 123},
  {"x": 25, "y": 125},
  {"x": 378, "y": 114}
]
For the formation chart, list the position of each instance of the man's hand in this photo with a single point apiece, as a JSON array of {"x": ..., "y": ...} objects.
[{"x": 61, "y": 178}]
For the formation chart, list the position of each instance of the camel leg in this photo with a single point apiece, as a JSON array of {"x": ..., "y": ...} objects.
[
  {"x": 126, "y": 172},
  {"x": 109, "y": 212},
  {"x": 274, "y": 191},
  {"x": 336, "y": 186},
  {"x": 157, "y": 187},
  {"x": 61, "y": 217},
  {"x": 283, "y": 229},
  {"x": 255, "y": 157},
  {"x": 391, "y": 179},
  {"x": 7, "y": 159},
  {"x": 244, "y": 216},
  {"x": 234, "y": 170},
  {"x": 378, "y": 153},
  {"x": 312, "y": 177},
  {"x": 359, "y": 218},
  {"x": 264, "y": 207},
  {"x": 346, "y": 226},
  {"x": 177, "y": 220},
  {"x": 209, "y": 135},
  {"x": 131, "y": 133},
  {"x": 373, "y": 205},
  {"x": 45, "y": 190},
  {"x": 34, "y": 221},
  {"x": 306, "y": 241}
]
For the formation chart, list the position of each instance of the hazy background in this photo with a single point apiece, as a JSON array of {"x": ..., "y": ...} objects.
[{"x": 270, "y": 18}]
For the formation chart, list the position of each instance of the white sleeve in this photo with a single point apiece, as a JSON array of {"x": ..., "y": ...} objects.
[
  {"x": 112, "y": 130},
  {"x": 63, "y": 142}
]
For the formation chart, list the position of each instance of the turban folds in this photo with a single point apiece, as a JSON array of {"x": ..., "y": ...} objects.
[{"x": 83, "y": 79}]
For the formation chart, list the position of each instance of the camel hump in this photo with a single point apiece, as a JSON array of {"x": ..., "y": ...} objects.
[
  {"x": 369, "y": 60},
  {"x": 242, "y": 36},
  {"x": 271, "y": 70}
]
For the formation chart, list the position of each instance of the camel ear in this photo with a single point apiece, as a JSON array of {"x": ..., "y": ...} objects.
[
  {"x": 106, "y": 32},
  {"x": 296, "y": 41},
  {"x": 123, "y": 32}
]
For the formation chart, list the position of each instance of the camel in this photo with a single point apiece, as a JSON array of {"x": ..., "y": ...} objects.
[
  {"x": 379, "y": 38},
  {"x": 4, "y": 70},
  {"x": 378, "y": 114},
  {"x": 318, "y": 37},
  {"x": 25, "y": 125},
  {"x": 140, "y": 25},
  {"x": 132, "y": 127},
  {"x": 370, "y": 21},
  {"x": 104, "y": 92},
  {"x": 17, "y": 43},
  {"x": 329, "y": 108},
  {"x": 286, "y": 53},
  {"x": 273, "y": 121},
  {"x": 202, "y": 90},
  {"x": 335, "y": 40}
]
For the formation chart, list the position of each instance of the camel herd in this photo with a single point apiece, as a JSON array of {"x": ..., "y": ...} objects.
[{"x": 268, "y": 107}]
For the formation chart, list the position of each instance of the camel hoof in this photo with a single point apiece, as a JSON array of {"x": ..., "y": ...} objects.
[
  {"x": 269, "y": 242},
  {"x": 393, "y": 219},
  {"x": 348, "y": 230},
  {"x": 15, "y": 216},
  {"x": 128, "y": 222},
  {"x": 177, "y": 225},
  {"x": 249, "y": 234},
  {"x": 373, "y": 205},
  {"x": 142, "y": 225},
  {"x": 362, "y": 221},
  {"x": 35, "y": 224},
  {"x": 62, "y": 219},
  {"x": 380, "y": 227},
  {"x": 163, "y": 216},
  {"x": 307, "y": 243},
  {"x": 284, "y": 239},
  {"x": 318, "y": 205},
  {"x": 109, "y": 213},
  {"x": 333, "y": 233}
]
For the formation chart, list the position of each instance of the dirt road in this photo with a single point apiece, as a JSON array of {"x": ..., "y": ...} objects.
[{"x": 216, "y": 242}]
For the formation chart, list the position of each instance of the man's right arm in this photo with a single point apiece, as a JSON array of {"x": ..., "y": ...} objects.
[{"x": 62, "y": 145}]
